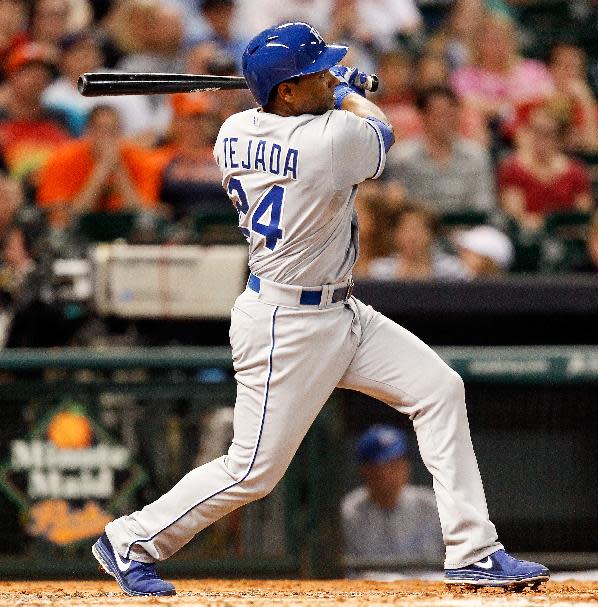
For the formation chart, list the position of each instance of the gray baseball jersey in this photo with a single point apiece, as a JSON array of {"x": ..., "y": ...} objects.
[{"x": 293, "y": 180}]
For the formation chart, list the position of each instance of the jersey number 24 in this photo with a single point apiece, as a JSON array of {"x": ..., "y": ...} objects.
[{"x": 272, "y": 201}]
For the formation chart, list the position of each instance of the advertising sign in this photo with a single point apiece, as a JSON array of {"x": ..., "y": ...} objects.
[{"x": 69, "y": 477}]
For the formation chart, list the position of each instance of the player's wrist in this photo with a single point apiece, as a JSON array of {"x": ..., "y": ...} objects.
[
  {"x": 351, "y": 80},
  {"x": 341, "y": 91}
]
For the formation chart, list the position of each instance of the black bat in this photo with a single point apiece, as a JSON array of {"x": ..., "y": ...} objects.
[
  {"x": 114, "y": 83},
  {"x": 95, "y": 84}
]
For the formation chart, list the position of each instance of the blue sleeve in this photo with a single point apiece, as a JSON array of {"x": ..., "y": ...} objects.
[{"x": 385, "y": 130}]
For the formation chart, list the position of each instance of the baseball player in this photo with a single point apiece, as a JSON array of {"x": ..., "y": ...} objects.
[{"x": 291, "y": 168}]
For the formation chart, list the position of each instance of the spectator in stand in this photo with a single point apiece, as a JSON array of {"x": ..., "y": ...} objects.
[
  {"x": 387, "y": 519},
  {"x": 82, "y": 52},
  {"x": 195, "y": 25},
  {"x": 190, "y": 179},
  {"x": 538, "y": 178},
  {"x": 28, "y": 315},
  {"x": 13, "y": 24},
  {"x": 500, "y": 80},
  {"x": 151, "y": 33},
  {"x": 12, "y": 200},
  {"x": 401, "y": 76},
  {"x": 590, "y": 263},
  {"x": 98, "y": 172},
  {"x": 419, "y": 255},
  {"x": 456, "y": 39},
  {"x": 431, "y": 70},
  {"x": 484, "y": 251},
  {"x": 442, "y": 169},
  {"x": 153, "y": 37},
  {"x": 219, "y": 17},
  {"x": 51, "y": 20},
  {"x": 253, "y": 16},
  {"x": 574, "y": 97},
  {"x": 28, "y": 131},
  {"x": 396, "y": 96},
  {"x": 375, "y": 203},
  {"x": 209, "y": 58},
  {"x": 375, "y": 24}
]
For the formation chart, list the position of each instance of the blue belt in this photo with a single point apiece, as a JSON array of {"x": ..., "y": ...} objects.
[{"x": 309, "y": 297}]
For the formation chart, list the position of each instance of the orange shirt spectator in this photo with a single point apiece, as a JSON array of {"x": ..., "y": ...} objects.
[
  {"x": 190, "y": 180},
  {"x": 98, "y": 173},
  {"x": 28, "y": 132},
  {"x": 28, "y": 144}
]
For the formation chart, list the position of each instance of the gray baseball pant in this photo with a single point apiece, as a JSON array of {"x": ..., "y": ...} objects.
[{"x": 288, "y": 359}]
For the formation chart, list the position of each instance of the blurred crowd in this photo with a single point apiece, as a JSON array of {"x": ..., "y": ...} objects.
[{"x": 493, "y": 103}]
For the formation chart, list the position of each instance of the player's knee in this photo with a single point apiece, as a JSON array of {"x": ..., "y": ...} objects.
[
  {"x": 263, "y": 490},
  {"x": 452, "y": 386},
  {"x": 265, "y": 481},
  {"x": 257, "y": 480},
  {"x": 256, "y": 487}
]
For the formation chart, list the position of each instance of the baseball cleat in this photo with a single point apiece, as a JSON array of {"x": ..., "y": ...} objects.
[
  {"x": 499, "y": 570},
  {"x": 134, "y": 577}
]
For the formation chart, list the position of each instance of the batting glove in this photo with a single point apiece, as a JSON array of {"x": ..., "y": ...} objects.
[{"x": 351, "y": 80}]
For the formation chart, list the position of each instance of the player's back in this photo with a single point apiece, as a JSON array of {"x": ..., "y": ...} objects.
[{"x": 291, "y": 180}]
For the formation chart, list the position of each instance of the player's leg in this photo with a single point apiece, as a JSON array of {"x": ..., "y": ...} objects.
[
  {"x": 393, "y": 365},
  {"x": 396, "y": 367},
  {"x": 287, "y": 363}
]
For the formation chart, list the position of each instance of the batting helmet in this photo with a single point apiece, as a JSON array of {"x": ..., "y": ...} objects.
[{"x": 283, "y": 52}]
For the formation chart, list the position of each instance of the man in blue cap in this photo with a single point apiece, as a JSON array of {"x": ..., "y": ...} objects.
[{"x": 386, "y": 520}]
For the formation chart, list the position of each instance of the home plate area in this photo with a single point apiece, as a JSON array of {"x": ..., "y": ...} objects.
[{"x": 241, "y": 593}]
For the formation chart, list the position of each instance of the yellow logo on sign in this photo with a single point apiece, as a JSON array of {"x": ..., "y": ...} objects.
[{"x": 58, "y": 522}]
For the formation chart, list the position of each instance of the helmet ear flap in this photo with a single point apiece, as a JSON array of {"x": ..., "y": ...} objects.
[{"x": 252, "y": 50}]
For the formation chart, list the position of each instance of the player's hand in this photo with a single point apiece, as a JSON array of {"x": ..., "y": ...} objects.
[
  {"x": 351, "y": 77},
  {"x": 350, "y": 80}
]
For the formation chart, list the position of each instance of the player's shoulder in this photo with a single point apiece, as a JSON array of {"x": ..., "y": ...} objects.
[
  {"x": 343, "y": 119},
  {"x": 344, "y": 129},
  {"x": 239, "y": 119}
]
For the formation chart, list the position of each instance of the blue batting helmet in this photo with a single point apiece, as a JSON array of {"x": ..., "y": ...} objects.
[{"x": 283, "y": 52}]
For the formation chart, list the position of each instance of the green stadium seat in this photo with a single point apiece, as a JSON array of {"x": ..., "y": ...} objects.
[
  {"x": 463, "y": 219},
  {"x": 217, "y": 227},
  {"x": 528, "y": 248},
  {"x": 527, "y": 257},
  {"x": 105, "y": 227},
  {"x": 567, "y": 224},
  {"x": 564, "y": 245},
  {"x": 544, "y": 14}
]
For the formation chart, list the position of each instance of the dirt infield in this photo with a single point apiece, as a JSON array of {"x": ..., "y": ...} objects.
[{"x": 242, "y": 593}]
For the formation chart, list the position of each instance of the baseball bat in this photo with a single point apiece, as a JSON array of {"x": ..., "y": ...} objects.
[{"x": 95, "y": 84}]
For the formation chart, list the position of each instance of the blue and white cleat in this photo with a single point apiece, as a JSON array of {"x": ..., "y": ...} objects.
[
  {"x": 500, "y": 570},
  {"x": 134, "y": 577}
]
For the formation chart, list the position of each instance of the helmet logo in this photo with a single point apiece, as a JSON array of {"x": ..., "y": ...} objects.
[{"x": 316, "y": 34}]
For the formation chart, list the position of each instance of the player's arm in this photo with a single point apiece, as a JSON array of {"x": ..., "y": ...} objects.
[
  {"x": 360, "y": 135},
  {"x": 350, "y": 96},
  {"x": 360, "y": 106}
]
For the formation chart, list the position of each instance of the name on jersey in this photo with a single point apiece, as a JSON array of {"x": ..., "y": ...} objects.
[{"x": 260, "y": 155}]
